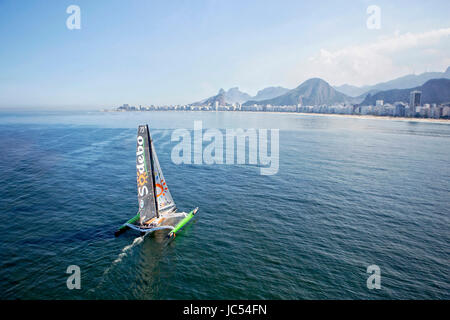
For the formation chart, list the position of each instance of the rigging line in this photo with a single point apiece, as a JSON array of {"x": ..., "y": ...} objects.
[{"x": 153, "y": 171}]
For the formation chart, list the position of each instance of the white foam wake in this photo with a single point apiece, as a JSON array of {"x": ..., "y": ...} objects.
[{"x": 123, "y": 253}]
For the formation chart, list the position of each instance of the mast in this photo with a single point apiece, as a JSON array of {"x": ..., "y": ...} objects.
[
  {"x": 152, "y": 170},
  {"x": 145, "y": 177}
]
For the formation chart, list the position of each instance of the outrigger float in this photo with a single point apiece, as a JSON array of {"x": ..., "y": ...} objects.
[{"x": 157, "y": 210}]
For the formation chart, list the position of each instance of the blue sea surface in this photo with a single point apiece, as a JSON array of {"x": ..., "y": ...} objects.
[{"x": 349, "y": 193}]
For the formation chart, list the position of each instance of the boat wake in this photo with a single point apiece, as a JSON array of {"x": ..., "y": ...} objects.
[{"x": 125, "y": 249}]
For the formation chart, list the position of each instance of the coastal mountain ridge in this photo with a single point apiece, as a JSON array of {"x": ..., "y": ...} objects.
[
  {"x": 314, "y": 91},
  {"x": 234, "y": 95},
  {"x": 269, "y": 93},
  {"x": 317, "y": 91},
  {"x": 405, "y": 82},
  {"x": 433, "y": 91}
]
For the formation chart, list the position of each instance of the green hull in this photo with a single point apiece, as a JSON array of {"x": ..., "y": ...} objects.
[
  {"x": 124, "y": 227},
  {"x": 172, "y": 233},
  {"x": 182, "y": 223}
]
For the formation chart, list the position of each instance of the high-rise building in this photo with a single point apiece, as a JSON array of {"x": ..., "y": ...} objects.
[
  {"x": 399, "y": 109},
  {"x": 414, "y": 101}
]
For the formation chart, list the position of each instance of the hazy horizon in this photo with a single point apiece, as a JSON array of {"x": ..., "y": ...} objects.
[{"x": 181, "y": 52}]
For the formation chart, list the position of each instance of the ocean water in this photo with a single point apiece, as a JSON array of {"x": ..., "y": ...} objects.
[{"x": 349, "y": 193}]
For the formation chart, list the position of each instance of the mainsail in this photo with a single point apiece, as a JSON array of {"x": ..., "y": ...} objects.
[
  {"x": 163, "y": 196},
  {"x": 155, "y": 200},
  {"x": 145, "y": 178}
]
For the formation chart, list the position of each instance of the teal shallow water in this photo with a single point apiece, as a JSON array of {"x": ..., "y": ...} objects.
[{"x": 349, "y": 193}]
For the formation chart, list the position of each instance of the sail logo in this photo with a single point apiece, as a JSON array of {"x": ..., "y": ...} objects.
[
  {"x": 140, "y": 167},
  {"x": 161, "y": 188},
  {"x": 142, "y": 179},
  {"x": 242, "y": 146}
]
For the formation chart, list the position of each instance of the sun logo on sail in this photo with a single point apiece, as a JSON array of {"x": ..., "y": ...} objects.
[
  {"x": 141, "y": 178},
  {"x": 162, "y": 188}
]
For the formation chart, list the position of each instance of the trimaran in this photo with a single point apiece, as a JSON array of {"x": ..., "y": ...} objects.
[{"x": 157, "y": 210}]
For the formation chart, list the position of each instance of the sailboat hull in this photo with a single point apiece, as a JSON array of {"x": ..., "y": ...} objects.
[
  {"x": 168, "y": 222},
  {"x": 182, "y": 223},
  {"x": 148, "y": 230}
]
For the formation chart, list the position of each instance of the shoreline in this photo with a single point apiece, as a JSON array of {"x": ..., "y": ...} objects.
[
  {"x": 354, "y": 116},
  {"x": 372, "y": 117}
]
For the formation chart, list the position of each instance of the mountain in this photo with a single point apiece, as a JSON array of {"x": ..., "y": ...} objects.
[
  {"x": 316, "y": 91},
  {"x": 350, "y": 90},
  {"x": 220, "y": 97},
  {"x": 405, "y": 82},
  {"x": 312, "y": 92},
  {"x": 269, "y": 93},
  {"x": 233, "y": 95},
  {"x": 433, "y": 91}
]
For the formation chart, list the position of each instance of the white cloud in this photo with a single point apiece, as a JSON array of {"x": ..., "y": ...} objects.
[{"x": 382, "y": 60}]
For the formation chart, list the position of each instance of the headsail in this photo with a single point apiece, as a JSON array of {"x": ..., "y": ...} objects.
[
  {"x": 163, "y": 196},
  {"x": 145, "y": 178}
]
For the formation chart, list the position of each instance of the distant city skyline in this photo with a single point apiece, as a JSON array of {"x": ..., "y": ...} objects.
[{"x": 157, "y": 52}]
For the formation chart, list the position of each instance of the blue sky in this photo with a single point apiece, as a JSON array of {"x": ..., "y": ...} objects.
[{"x": 175, "y": 52}]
